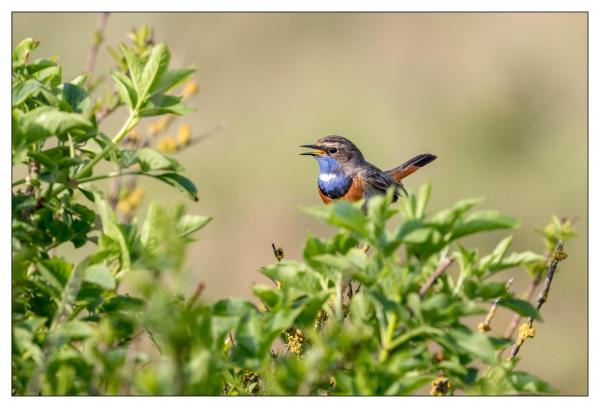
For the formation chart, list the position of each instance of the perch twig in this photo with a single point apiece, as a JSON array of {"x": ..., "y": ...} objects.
[
  {"x": 444, "y": 265},
  {"x": 526, "y": 330}
]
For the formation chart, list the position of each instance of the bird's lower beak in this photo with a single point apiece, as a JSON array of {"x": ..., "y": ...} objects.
[{"x": 317, "y": 151}]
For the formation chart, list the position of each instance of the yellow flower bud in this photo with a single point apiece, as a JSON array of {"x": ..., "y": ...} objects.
[
  {"x": 135, "y": 197},
  {"x": 190, "y": 89},
  {"x": 124, "y": 207},
  {"x": 167, "y": 145},
  {"x": 184, "y": 134},
  {"x": 133, "y": 136},
  {"x": 159, "y": 125}
]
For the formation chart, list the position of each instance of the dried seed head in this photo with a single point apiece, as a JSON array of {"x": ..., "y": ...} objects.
[{"x": 440, "y": 386}]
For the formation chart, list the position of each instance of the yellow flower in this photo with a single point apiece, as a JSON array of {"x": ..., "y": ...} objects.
[
  {"x": 526, "y": 331},
  {"x": 190, "y": 89},
  {"x": 133, "y": 136},
  {"x": 440, "y": 386},
  {"x": 167, "y": 145},
  {"x": 296, "y": 340},
  {"x": 135, "y": 197},
  {"x": 159, "y": 125},
  {"x": 184, "y": 134},
  {"x": 124, "y": 207},
  {"x": 320, "y": 320}
]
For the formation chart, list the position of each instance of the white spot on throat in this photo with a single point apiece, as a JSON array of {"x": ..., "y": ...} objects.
[{"x": 327, "y": 177}]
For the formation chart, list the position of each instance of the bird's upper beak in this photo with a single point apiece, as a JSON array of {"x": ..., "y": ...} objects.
[{"x": 316, "y": 152}]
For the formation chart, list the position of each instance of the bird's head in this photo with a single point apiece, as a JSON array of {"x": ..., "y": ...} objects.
[{"x": 334, "y": 147}]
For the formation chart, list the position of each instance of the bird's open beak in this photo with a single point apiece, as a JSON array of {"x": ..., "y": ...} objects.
[{"x": 317, "y": 151}]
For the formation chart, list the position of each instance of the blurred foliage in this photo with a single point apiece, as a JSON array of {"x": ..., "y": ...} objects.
[{"x": 383, "y": 320}]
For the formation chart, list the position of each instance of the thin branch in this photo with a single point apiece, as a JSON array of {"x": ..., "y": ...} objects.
[
  {"x": 444, "y": 265},
  {"x": 526, "y": 330},
  {"x": 199, "y": 289},
  {"x": 485, "y": 326},
  {"x": 98, "y": 37},
  {"x": 510, "y": 330}
]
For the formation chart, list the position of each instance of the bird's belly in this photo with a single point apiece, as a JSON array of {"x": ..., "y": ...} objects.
[{"x": 334, "y": 185}]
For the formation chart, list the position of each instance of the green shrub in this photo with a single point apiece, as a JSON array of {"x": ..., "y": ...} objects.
[{"x": 388, "y": 321}]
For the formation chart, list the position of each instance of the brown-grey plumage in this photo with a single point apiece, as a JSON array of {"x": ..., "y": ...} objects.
[{"x": 354, "y": 177}]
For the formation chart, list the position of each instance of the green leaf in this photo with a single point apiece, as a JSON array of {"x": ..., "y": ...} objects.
[
  {"x": 182, "y": 183},
  {"x": 135, "y": 67},
  {"x": 151, "y": 159},
  {"x": 188, "y": 224},
  {"x": 163, "y": 104},
  {"x": 492, "y": 290},
  {"x": 76, "y": 97},
  {"x": 269, "y": 295},
  {"x": 342, "y": 214},
  {"x": 122, "y": 303},
  {"x": 497, "y": 254},
  {"x": 22, "y": 51},
  {"x": 474, "y": 343},
  {"x": 56, "y": 272},
  {"x": 76, "y": 329},
  {"x": 100, "y": 275},
  {"x": 525, "y": 382},
  {"x": 157, "y": 64},
  {"x": 125, "y": 88},
  {"x": 408, "y": 384},
  {"x": 171, "y": 79},
  {"x": 51, "y": 75},
  {"x": 232, "y": 307},
  {"x": 44, "y": 121},
  {"x": 448, "y": 216},
  {"x": 80, "y": 80},
  {"x": 111, "y": 229},
  {"x": 483, "y": 221},
  {"x": 294, "y": 275},
  {"x": 423, "y": 200},
  {"x": 21, "y": 91},
  {"x": 517, "y": 259},
  {"x": 521, "y": 307}
]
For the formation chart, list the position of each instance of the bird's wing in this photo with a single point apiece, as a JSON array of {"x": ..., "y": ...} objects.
[{"x": 376, "y": 182}]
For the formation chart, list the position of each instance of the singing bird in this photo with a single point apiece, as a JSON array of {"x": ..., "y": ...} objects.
[{"x": 344, "y": 174}]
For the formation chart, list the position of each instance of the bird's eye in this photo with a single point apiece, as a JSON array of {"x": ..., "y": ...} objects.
[{"x": 332, "y": 150}]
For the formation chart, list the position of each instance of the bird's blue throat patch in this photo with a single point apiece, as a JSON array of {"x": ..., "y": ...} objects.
[{"x": 332, "y": 181}]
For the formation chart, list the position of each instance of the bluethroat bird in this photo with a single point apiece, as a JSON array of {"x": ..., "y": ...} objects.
[{"x": 344, "y": 174}]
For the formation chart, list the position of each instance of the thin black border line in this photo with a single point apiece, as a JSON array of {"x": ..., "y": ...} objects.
[{"x": 586, "y": 12}]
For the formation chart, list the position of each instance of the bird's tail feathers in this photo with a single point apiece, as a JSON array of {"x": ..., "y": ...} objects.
[{"x": 410, "y": 166}]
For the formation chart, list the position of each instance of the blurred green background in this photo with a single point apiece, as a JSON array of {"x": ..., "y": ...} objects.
[{"x": 500, "y": 98}]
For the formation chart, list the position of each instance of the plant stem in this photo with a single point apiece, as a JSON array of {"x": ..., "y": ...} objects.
[
  {"x": 111, "y": 175},
  {"x": 557, "y": 256},
  {"x": 444, "y": 265},
  {"x": 131, "y": 122},
  {"x": 387, "y": 341},
  {"x": 98, "y": 37}
]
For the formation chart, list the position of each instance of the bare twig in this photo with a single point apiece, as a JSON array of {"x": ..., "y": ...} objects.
[
  {"x": 526, "y": 330},
  {"x": 107, "y": 110},
  {"x": 98, "y": 37},
  {"x": 444, "y": 265},
  {"x": 199, "y": 289},
  {"x": 485, "y": 325},
  {"x": 510, "y": 330}
]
